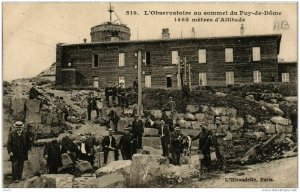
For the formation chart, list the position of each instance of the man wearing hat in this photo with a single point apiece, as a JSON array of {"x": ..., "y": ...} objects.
[
  {"x": 18, "y": 145},
  {"x": 109, "y": 144},
  {"x": 205, "y": 143},
  {"x": 114, "y": 118},
  {"x": 176, "y": 143},
  {"x": 92, "y": 105},
  {"x": 185, "y": 92},
  {"x": 137, "y": 130},
  {"x": 62, "y": 109},
  {"x": 164, "y": 133},
  {"x": 125, "y": 144}
]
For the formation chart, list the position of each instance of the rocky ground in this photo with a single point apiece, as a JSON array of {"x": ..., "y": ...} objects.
[{"x": 254, "y": 153}]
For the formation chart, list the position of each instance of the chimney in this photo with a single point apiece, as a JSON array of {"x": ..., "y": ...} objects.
[
  {"x": 242, "y": 30},
  {"x": 165, "y": 33},
  {"x": 84, "y": 40},
  {"x": 193, "y": 32}
]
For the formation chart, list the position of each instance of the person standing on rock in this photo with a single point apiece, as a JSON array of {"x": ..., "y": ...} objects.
[
  {"x": 52, "y": 154},
  {"x": 218, "y": 140},
  {"x": 168, "y": 121},
  {"x": 164, "y": 134},
  {"x": 185, "y": 92},
  {"x": 205, "y": 143},
  {"x": 125, "y": 144},
  {"x": 114, "y": 118},
  {"x": 138, "y": 130},
  {"x": 176, "y": 143},
  {"x": 62, "y": 110},
  {"x": 171, "y": 105},
  {"x": 18, "y": 145},
  {"x": 92, "y": 105},
  {"x": 135, "y": 85},
  {"x": 109, "y": 144}
]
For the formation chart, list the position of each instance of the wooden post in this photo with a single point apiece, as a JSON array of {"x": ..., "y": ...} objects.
[
  {"x": 185, "y": 69},
  {"x": 190, "y": 77},
  {"x": 139, "y": 83},
  {"x": 178, "y": 75}
]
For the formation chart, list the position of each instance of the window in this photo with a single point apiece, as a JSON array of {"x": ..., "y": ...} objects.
[
  {"x": 202, "y": 79},
  {"x": 285, "y": 77},
  {"x": 147, "y": 58},
  {"x": 95, "y": 60},
  {"x": 169, "y": 80},
  {"x": 121, "y": 59},
  {"x": 256, "y": 53},
  {"x": 229, "y": 78},
  {"x": 202, "y": 55},
  {"x": 122, "y": 80},
  {"x": 148, "y": 81},
  {"x": 229, "y": 55},
  {"x": 256, "y": 76},
  {"x": 175, "y": 57},
  {"x": 95, "y": 81}
]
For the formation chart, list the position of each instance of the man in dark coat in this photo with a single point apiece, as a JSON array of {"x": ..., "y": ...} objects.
[
  {"x": 135, "y": 85},
  {"x": 109, "y": 144},
  {"x": 137, "y": 130},
  {"x": 53, "y": 156},
  {"x": 62, "y": 109},
  {"x": 123, "y": 101},
  {"x": 114, "y": 118},
  {"x": 34, "y": 93},
  {"x": 92, "y": 105},
  {"x": 69, "y": 147},
  {"x": 168, "y": 121},
  {"x": 86, "y": 147},
  {"x": 125, "y": 144},
  {"x": 18, "y": 145},
  {"x": 176, "y": 145},
  {"x": 164, "y": 133},
  {"x": 185, "y": 92},
  {"x": 218, "y": 140},
  {"x": 205, "y": 143}
]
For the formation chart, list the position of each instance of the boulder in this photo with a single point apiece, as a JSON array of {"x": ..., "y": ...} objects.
[
  {"x": 36, "y": 164},
  {"x": 33, "y": 117},
  {"x": 204, "y": 109},
  {"x": 277, "y": 111},
  {"x": 84, "y": 166},
  {"x": 250, "y": 119},
  {"x": 273, "y": 100},
  {"x": 291, "y": 98},
  {"x": 183, "y": 172},
  {"x": 99, "y": 160},
  {"x": 180, "y": 116},
  {"x": 6, "y": 102},
  {"x": 250, "y": 98},
  {"x": 232, "y": 112},
  {"x": 156, "y": 113},
  {"x": 59, "y": 180},
  {"x": 152, "y": 142},
  {"x": 183, "y": 123},
  {"x": 123, "y": 123},
  {"x": 150, "y": 132},
  {"x": 66, "y": 161},
  {"x": 190, "y": 132},
  {"x": 114, "y": 180},
  {"x": 128, "y": 111},
  {"x": 17, "y": 104},
  {"x": 122, "y": 167},
  {"x": 280, "y": 120},
  {"x": 152, "y": 151},
  {"x": 218, "y": 111},
  {"x": 220, "y": 94},
  {"x": 33, "y": 182},
  {"x": 192, "y": 160},
  {"x": 33, "y": 105},
  {"x": 192, "y": 108},
  {"x": 269, "y": 127},
  {"x": 73, "y": 119},
  {"x": 240, "y": 122},
  {"x": 189, "y": 117},
  {"x": 18, "y": 116},
  {"x": 272, "y": 105},
  {"x": 146, "y": 168},
  {"x": 200, "y": 116},
  {"x": 195, "y": 125}
]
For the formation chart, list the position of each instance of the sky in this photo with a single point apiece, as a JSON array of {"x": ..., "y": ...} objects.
[{"x": 32, "y": 30}]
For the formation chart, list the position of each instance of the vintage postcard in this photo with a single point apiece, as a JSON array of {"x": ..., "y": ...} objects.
[{"x": 150, "y": 95}]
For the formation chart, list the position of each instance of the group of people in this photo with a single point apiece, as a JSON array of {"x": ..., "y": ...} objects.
[{"x": 116, "y": 95}]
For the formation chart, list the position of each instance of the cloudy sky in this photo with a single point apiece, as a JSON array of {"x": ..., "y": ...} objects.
[{"x": 31, "y": 30}]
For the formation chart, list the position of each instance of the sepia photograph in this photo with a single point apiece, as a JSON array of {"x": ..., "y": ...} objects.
[{"x": 150, "y": 95}]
